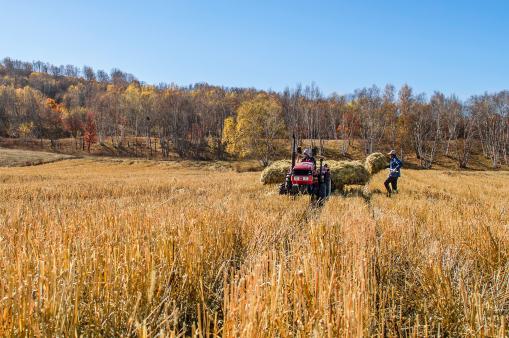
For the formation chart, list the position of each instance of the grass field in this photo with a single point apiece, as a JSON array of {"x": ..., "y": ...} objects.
[
  {"x": 139, "y": 248},
  {"x": 21, "y": 158}
]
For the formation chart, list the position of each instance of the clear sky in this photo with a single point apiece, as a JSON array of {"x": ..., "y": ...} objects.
[{"x": 459, "y": 47}]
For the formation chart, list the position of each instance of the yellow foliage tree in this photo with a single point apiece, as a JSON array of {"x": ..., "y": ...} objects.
[
  {"x": 259, "y": 123},
  {"x": 229, "y": 135},
  {"x": 25, "y": 129}
]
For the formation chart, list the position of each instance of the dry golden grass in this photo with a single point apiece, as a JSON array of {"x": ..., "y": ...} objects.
[
  {"x": 20, "y": 158},
  {"x": 134, "y": 248},
  {"x": 442, "y": 254}
]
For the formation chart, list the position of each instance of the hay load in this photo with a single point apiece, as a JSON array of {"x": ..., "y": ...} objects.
[
  {"x": 276, "y": 172},
  {"x": 375, "y": 163},
  {"x": 342, "y": 173},
  {"x": 347, "y": 173}
]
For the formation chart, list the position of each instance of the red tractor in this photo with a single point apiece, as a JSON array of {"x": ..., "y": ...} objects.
[{"x": 306, "y": 177}]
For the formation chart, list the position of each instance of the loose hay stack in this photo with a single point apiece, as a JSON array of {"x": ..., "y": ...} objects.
[
  {"x": 347, "y": 172},
  {"x": 376, "y": 162},
  {"x": 276, "y": 172},
  {"x": 342, "y": 173}
]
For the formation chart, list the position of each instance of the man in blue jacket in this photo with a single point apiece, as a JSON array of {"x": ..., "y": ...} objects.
[{"x": 394, "y": 173}]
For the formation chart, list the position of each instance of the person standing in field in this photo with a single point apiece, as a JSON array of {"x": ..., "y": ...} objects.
[
  {"x": 394, "y": 173},
  {"x": 327, "y": 179}
]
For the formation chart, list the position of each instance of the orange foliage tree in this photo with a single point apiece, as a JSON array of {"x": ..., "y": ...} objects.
[{"x": 90, "y": 135}]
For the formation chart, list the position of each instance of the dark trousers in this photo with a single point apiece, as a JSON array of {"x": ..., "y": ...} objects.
[{"x": 393, "y": 181}]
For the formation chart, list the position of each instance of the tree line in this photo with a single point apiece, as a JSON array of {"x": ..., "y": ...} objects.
[{"x": 43, "y": 101}]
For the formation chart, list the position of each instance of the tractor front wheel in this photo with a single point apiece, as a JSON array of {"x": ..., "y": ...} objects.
[{"x": 282, "y": 189}]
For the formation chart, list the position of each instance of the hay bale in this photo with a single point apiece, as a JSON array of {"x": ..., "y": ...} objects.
[
  {"x": 375, "y": 163},
  {"x": 347, "y": 172},
  {"x": 276, "y": 172}
]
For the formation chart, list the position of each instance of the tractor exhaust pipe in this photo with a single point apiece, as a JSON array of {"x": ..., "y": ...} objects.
[{"x": 294, "y": 150}]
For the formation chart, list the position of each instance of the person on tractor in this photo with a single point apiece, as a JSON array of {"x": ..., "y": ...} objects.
[
  {"x": 394, "y": 173},
  {"x": 308, "y": 157}
]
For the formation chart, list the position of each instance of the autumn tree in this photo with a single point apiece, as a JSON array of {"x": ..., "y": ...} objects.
[
  {"x": 426, "y": 127},
  {"x": 213, "y": 105},
  {"x": 7, "y": 109},
  {"x": 90, "y": 131},
  {"x": 502, "y": 108},
  {"x": 107, "y": 113},
  {"x": 373, "y": 121},
  {"x": 25, "y": 129},
  {"x": 88, "y": 73},
  {"x": 257, "y": 126},
  {"x": 229, "y": 136},
  {"x": 348, "y": 125},
  {"x": 490, "y": 113},
  {"x": 466, "y": 133},
  {"x": 74, "y": 97},
  {"x": 311, "y": 123},
  {"x": 102, "y": 76},
  {"x": 73, "y": 123},
  {"x": 30, "y": 106},
  {"x": 390, "y": 113},
  {"x": 292, "y": 104},
  {"x": 452, "y": 117},
  {"x": 51, "y": 117},
  {"x": 405, "y": 107},
  {"x": 45, "y": 83},
  {"x": 132, "y": 107}
]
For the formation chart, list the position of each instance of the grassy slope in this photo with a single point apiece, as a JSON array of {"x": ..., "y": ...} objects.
[
  {"x": 137, "y": 149},
  {"x": 19, "y": 157}
]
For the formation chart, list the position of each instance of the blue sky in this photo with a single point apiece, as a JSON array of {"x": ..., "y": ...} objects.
[{"x": 459, "y": 47}]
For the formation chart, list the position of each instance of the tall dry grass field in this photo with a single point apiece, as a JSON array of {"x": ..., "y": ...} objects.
[{"x": 143, "y": 249}]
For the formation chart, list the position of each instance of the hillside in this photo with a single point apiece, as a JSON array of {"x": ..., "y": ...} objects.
[
  {"x": 137, "y": 149},
  {"x": 115, "y": 114}
]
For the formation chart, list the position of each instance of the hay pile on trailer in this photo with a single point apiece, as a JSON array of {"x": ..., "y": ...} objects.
[
  {"x": 342, "y": 172},
  {"x": 276, "y": 172},
  {"x": 347, "y": 173},
  {"x": 375, "y": 163}
]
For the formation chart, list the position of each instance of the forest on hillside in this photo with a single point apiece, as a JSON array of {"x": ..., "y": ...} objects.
[{"x": 43, "y": 101}]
